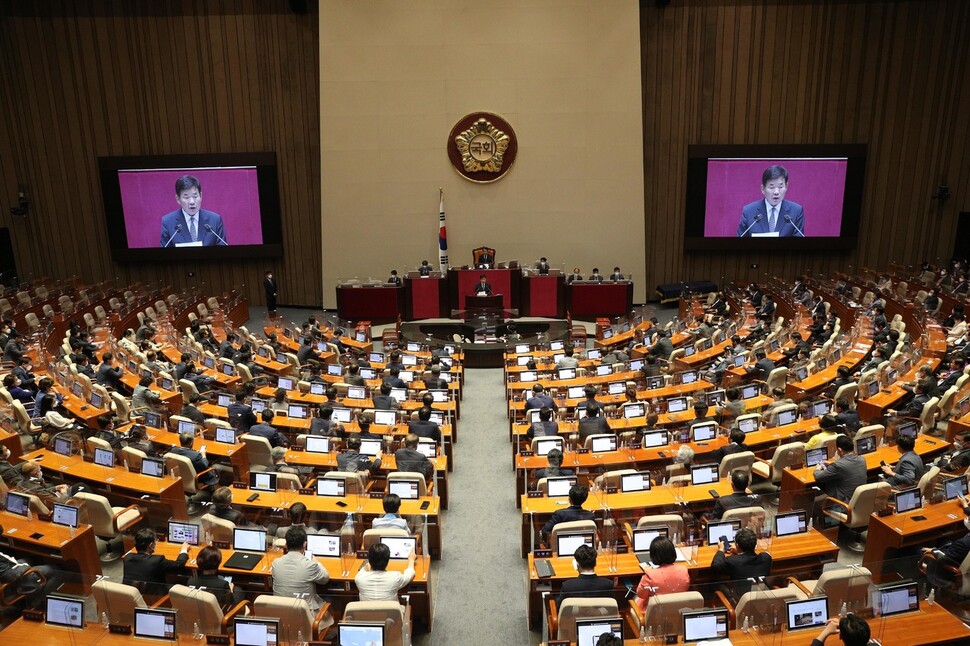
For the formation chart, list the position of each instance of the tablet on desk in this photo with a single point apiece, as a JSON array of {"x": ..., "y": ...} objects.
[{"x": 154, "y": 623}]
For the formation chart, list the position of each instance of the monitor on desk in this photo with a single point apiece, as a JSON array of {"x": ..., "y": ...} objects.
[
  {"x": 890, "y": 376},
  {"x": 955, "y": 487},
  {"x": 281, "y": 357},
  {"x": 96, "y": 399},
  {"x": 252, "y": 631},
  {"x": 330, "y": 487},
  {"x": 575, "y": 392},
  {"x": 652, "y": 439},
  {"x": 153, "y": 419},
  {"x": 375, "y": 357},
  {"x": 523, "y": 359},
  {"x": 370, "y": 447},
  {"x": 652, "y": 383},
  {"x": 865, "y": 444},
  {"x": 296, "y": 411},
  {"x": 607, "y": 334},
  {"x": 409, "y": 360},
  {"x": 186, "y": 426},
  {"x": 719, "y": 530},
  {"x": 284, "y": 383},
  {"x": 359, "y": 633},
  {"x": 631, "y": 411},
  {"x": 522, "y": 348},
  {"x": 258, "y": 405},
  {"x": 714, "y": 397},
  {"x": 616, "y": 388},
  {"x": 774, "y": 345},
  {"x": 64, "y": 610},
  {"x": 334, "y": 369},
  {"x": 643, "y": 536},
  {"x": 165, "y": 383},
  {"x": 326, "y": 545},
  {"x": 262, "y": 481},
  {"x": 814, "y": 457},
  {"x": 788, "y": 524},
  {"x": 636, "y": 364},
  {"x": 807, "y": 613},
  {"x": 821, "y": 364},
  {"x": 317, "y": 388},
  {"x": 439, "y": 396},
  {"x": 438, "y": 417},
  {"x": 688, "y": 377},
  {"x": 223, "y": 400},
  {"x": 819, "y": 408},
  {"x": 871, "y": 388},
  {"x": 154, "y": 623},
  {"x": 895, "y": 598},
  {"x": 557, "y": 345},
  {"x": 385, "y": 417},
  {"x": 400, "y": 394},
  {"x": 604, "y": 370},
  {"x": 180, "y": 532},
  {"x": 801, "y": 373},
  {"x": 789, "y": 416},
  {"x": 545, "y": 444},
  {"x": 630, "y": 482},
  {"x": 208, "y": 362},
  {"x": 908, "y": 500},
  {"x": 225, "y": 435},
  {"x": 566, "y": 373},
  {"x": 568, "y": 542},
  {"x": 405, "y": 489},
  {"x": 703, "y": 474},
  {"x": 559, "y": 486},
  {"x": 604, "y": 444},
  {"x": 748, "y": 423},
  {"x": 594, "y": 354},
  {"x": 263, "y": 351},
  {"x": 104, "y": 457},
  {"x": 589, "y": 629},
  {"x": 676, "y": 404},
  {"x": 428, "y": 448},
  {"x": 154, "y": 467},
  {"x": 341, "y": 415},
  {"x": 690, "y": 350},
  {"x": 446, "y": 362},
  {"x": 249, "y": 540},
  {"x": 77, "y": 389},
  {"x": 907, "y": 429},
  {"x": 701, "y": 625},
  {"x": 66, "y": 515},
  {"x": 228, "y": 369},
  {"x": 17, "y": 503},
  {"x": 368, "y": 373},
  {"x": 317, "y": 444},
  {"x": 401, "y": 546},
  {"x": 750, "y": 391},
  {"x": 62, "y": 446},
  {"x": 703, "y": 432},
  {"x": 532, "y": 416},
  {"x": 356, "y": 392}
]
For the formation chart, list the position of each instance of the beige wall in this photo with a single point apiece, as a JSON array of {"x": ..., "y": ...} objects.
[{"x": 396, "y": 75}]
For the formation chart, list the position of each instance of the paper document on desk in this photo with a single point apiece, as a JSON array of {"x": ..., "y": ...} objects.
[{"x": 197, "y": 243}]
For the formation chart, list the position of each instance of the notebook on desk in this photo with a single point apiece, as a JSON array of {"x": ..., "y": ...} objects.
[{"x": 250, "y": 544}]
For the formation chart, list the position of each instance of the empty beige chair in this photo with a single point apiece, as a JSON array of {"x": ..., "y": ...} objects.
[
  {"x": 94, "y": 442},
  {"x": 100, "y": 314},
  {"x": 877, "y": 430},
  {"x": 288, "y": 482},
  {"x": 928, "y": 483},
  {"x": 114, "y": 304},
  {"x": 295, "y": 617},
  {"x": 354, "y": 482},
  {"x": 562, "y": 622},
  {"x": 212, "y": 423},
  {"x": 245, "y": 375},
  {"x": 750, "y": 517},
  {"x": 21, "y": 420},
  {"x": 855, "y": 514},
  {"x": 927, "y": 418},
  {"x": 23, "y": 298},
  {"x": 372, "y": 535},
  {"x": 395, "y": 617},
  {"x": 663, "y": 611},
  {"x": 117, "y": 600},
  {"x": 945, "y": 407},
  {"x": 673, "y": 522},
  {"x": 122, "y": 408},
  {"x": 777, "y": 378},
  {"x": 48, "y": 311},
  {"x": 786, "y": 455},
  {"x": 188, "y": 389},
  {"x": 761, "y": 603},
  {"x": 109, "y": 522},
  {"x": 612, "y": 479},
  {"x": 848, "y": 393},
  {"x": 198, "y": 607},
  {"x": 596, "y": 436},
  {"x": 218, "y": 529},
  {"x": 408, "y": 476},
  {"x": 841, "y": 584},
  {"x": 33, "y": 323},
  {"x": 259, "y": 451},
  {"x": 569, "y": 527},
  {"x": 734, "y": 461},
  {"x": 132, "y": 457}
]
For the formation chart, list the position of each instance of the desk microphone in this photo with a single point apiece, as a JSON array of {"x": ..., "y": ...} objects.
[
  {"x": 791, "y": 222},
  {"x": 209, "y": 228},
  {"x": 757, "y": 219},
  {"x": 178, "y": 227}
]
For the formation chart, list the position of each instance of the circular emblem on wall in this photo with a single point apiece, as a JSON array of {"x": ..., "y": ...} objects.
[{"x": 482, "y": 147}]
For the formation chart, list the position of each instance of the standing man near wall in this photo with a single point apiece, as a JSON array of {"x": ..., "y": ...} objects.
[{"x": 269, "y": 285}]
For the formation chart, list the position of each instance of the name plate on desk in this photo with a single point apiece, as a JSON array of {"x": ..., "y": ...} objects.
[
  {"x": 88, "y": 458},
  {"x": 636, "y": 446},
  {"x": 240, "y": 485},
  {"x": 581, "y": 451},
  {"x": 541, "y": 554},
  {"x": 44, "y": 517},
  {"x": 622, "y": 548},
  {"x": 223, "y": 545},
  {"x": 377, "y": 494},
  {"x": 362, "y": 554},
  {"x": 217, "y": 639},
  {"x": 611, "y": 490},
  {"x": 296, "y": 448},
  {"x": 534, "y": 494},
  {"x": 119, "y": 629},
  {"x": 33, "y": 615},
  {"x": 307, "y": 492},
  {"x": 526, "y": 454}
]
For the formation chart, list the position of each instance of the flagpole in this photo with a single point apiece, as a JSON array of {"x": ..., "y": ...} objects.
[{"x": 442, "y": 233}]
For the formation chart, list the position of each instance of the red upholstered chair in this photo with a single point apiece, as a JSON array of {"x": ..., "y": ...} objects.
[{"x": 486, "y": 252}]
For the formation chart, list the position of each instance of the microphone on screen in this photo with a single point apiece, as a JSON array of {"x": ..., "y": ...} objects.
[
  {"x": 757, "y": 219},
  {"x": 792, "y": 222},
  {"x": 178, "y": 227},
  {"x": 209, "y": 228}
]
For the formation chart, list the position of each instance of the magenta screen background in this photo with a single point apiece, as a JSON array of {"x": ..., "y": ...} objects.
[
  {"x": 233, "y": 193},
  {"x": 817, "y": 184}
]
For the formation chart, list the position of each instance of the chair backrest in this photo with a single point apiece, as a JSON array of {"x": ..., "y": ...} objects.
[
  {"x": 580, "y": 607},
  {"x": 95, "y": 442},
  {"x": 750, "y": 517},
  {"x": 117, "y": 600},
  {"x": 844, "y": 584},
  {"x": 786, "y": 455},
  {"x": 294, "y": 614},
  {"x": 373, "y": 535},
  {"x": 193, "y": 607},
  {"x": 219, "y": 529},
  {"x": 589, "y": 438},
  {"x": 188, "y": 389},
  {"x": 391, "y": 613},
  {"x": 133, "y": 456},
  {"x": 776, "y": 378},
  {"x": 611, "y": 479},
  {"x": 663, "y": 610},
  {"x": 778, "y": 410},
  {"x": 245, "y": 376},
  {"x": 185, "y": 469},
  {"x": 259, "y": 450},
  {"x": 848, "y": 393},
  {"x": 354, "y": 482},
  {"x": 673, "y": 522},
  {"x": 927, "y": 418},
  {"x": 571, "y": 526},
  {"x": 407, "y": 476},
  {"x": 865, "y": 500},
  {"x": 927, "y": 484},
  {"x": 734, "y": 461},
  {"x": 946, "y": 402},
  {"x": 767, "y": 603},
  {"x": 100, "y": 514},
  {"x": 289, "y": 481}
]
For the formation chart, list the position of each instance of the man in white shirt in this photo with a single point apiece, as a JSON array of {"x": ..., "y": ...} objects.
[
  {"x": 296, "y": 574},
  {"x": 374, "y": 582}
]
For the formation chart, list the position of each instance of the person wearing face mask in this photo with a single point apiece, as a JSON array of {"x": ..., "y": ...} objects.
[
  {"x": 269, "y": 286},
  {"x": 773, "y": 215},
  {"x": 959, "y": 458},
  {"x": 587, "y": 583}
]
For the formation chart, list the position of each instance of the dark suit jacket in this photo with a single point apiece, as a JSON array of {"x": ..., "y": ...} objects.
[
  {"x": 151, "y": 569},
  {"x": 212, "y": 583},
  {"x": 265, "y": 430},
  {"x": 908, "y": 471},
  {"x": 109, "y": 377},
  {"x": 236, "y": 410},
  {"x": 414, "y": 461},
  {"x": 785, "y": 229},
  {"x": 586, "y": 585},
  {"x": 566, "y": 515},
  {"x": 199, "y": 463},
  {"x": 478, "y": 288},
  {"x": 384, "y": 402},
  {"x": 733, "y": 501},
  {"x": 728, "y": 449},
  {"x": 208, "y": 238},
  {"x": 842, "y": 477},
  {"x": 740, "y": 567},
  {"x": 269, "y": 286},
  {"x": 539, "y": 400},
  {"x": 591, "y": 426},
  {"x": 957, "y": 550},
  {"x": 425, "y": 429}
]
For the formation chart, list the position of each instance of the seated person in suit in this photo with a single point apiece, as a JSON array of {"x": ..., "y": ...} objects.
[
  {"x": 554, "y": 468},
  {"x": 34, "y": 483},
  {"x": 595, "y": 277},
  {"x": 839, "y": 478},
  {"x": 741, "y": 563},
  {"x": 852, "y": 630},
  {"x": 908, "y": 471},
  {"x": 393, "y": 378},
  {"x": 847, "y": 417},
  {"x": 236, "y": 409},
  {"x": 733, "y": 405},
  {"x": 144, "y": 397},
  {"x": 483, "y": 288},
  {"x": 190, "y": 222},
  {"x": 392, "y": 505},
  {"x": 573, "y": 277},
  {"x": 10, "y": 474},
  {"x": 408, "y": 458},
  {"x": 423, "y": 426},
  {"x": 384, "y": 401},
  {"x": 353, "y": 376},
  {"x": 700, "y": 413},
  {"x": 586, "y": 583},
  {"x": 577, "y": 496},
  {"x": 207, "y": 578},
  {"x": 545, "y": 426},
  {"x": 295, "y": 574},
  {"x": 540, "y": 399},
  {"x": 353, "y": 461},
  {"x": 568, "y": 360},
  {"x": 298, "y": 515},
  {"x": 394, "y": 279},
  {"x": 435, "y": 382},
  {"x": 322, "y": 423},
  {"x": 486, "y": 259},
  {"x": 736, "y": 445},
  {"x": 13, "y": 386},
  {"x": 110, "y": 375},
  {"x": 616, "y": 275},
  {"x": 146, "y": 570},
  {"x": 667, "y": 577},
  {"x": 958, "y": 458},
  {"x": 739, "y": 496},
  {"x": 191, "y": 409},
  {"x": 424, "y": 269},
  {"x": 199, "y": 462},
  {"x": 13, "y": 572},
  {"x": 762, "y": 366},
  {"x": 267, "y": 430},
  {"x": 222, "y": 508},
  {"x": 592, "y": 423}
]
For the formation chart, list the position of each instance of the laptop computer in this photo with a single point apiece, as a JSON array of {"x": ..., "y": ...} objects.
[
  {"x": 908, "y": 500},
  {"x": 816, "y": 456},
  {"x": 179, "y": 532},
  {"x": 317, "y": 444},
  {"x": 341, "y": 415},
  {"x": 702, "y": 625},
  {"x": 791, "y": 523},
  {"x": 262, "y": 481},
  {"x": 404, "y": 489},
  {"x": 807, "y": 613},
  {"x": 66, "y": 515},
  {"x": 546, "y": 444},
  {"x": 634, "y": 410},
  {"x": 653, "y": 439},
  {"x": 719, "y": 530},
  {"x": 250, "y": 544},
  {"x": 257, "y": 631},
  {"x": 953, "y": 487},
  {"x": 559, "y": 487},
  {"x": 331, "y": 487},
  {"x": 589, "y": 630},
  {"x": 642, "y": 538},
  {"x": 154, "y": 623},
  {"x": 703, "y": 432}
]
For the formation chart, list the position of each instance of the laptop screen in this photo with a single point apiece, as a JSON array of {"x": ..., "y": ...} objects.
[
  {"x": 404, "y": 489},
  {"x": 589, "y": 630},
  {"x": 428, "y": 448},
  {"x": 341, "y": 415},
  {"x": 249, "y": 540},
  {"x": 556, "y": 345},
  {"x": 630, "y": 482},
  {"x": 643, "y": 536},
  {"x": 356, "y": 392},
  {"x": 807, "y": 613},
  {"x": 186, "y": 426},
  {"x": 104, "y": 457},
  {"x": 63, "y": 610},
  {"x": 262, "y": 481},
  {"x": 523, "y": 359},
  {"x": 603, "y": 444},
  {"x": 690, "y": 351},
  {"x": 153, "y": 420},
  {"x": 228, "y": 369},
  {"x": 676, "y": 404},
  {"x": 334, "y": 369},
  {"x": 907, "y": 429},
  {"x": 400, "y": 546},
  {"x": 256, "y": 632},
  {"x": 594, "y": 354},
  {"x": 568, "y": 542},
  {"x": 258, "y": 405},
  {"x": 791, "y": 523},
  {"x": 400, "y": 394},
  {"x": 323, "y": 544},
  {"x": 634, "y": 410},
  {"x": 296, "y": 411},
  {"x": 225, "y": 435},
  {"x": 655, "y": 438},
  {"x": 908, "y": 500},
  {"x": 953, "y": 487},
  {"x": 546, "y": 444},
  {"x": 527, "y": 376},
  {"x": 703, "y": 432},
  {"x": 17, "y": 503},
  {"x": 330, "y": 487},
  {"x": 714, "y": 397},
  {"x": 223, "y": 400},
  {"x": 719, "y": 530},
  {"x": 750, "y": 391},
  {"x": 654, "y": 382},
  {"x": 351, "y": 632},
  {"x": 816, "y": 456},
  {"x": 154, "y": 623},
  {"x": 439, "y": 396},
  {"x": 865, "y": 444},
  {"x": 64, "y": 515},
  {"x": 819, "y": 408},
  {"x": 317, "y": 444},
  {"x": 558, "y": 487},
  {"x": 636, "y": 364},
  {"x": 96, "y": 400},
  {"x": 602, "y": 371},
  {"x": 522, "y": 348},
  {"x": 896, "y": 598},
  {"x": 62, "y": 446},
  {"x": 152, "y": 467},
  {"x": 616, "y": 388},
  {"x": 787, "y": 417},
  {"x": 575, "y": 392},
  {"x": 368, "y": 373},
  {"x": 370, "y": 447},
  {"x": 385, "y": 417},
  {"x": 688, "y": 377},
  {"x": 179, "y": 532},
  {"x": 703, "y": 474},
  {"x": 705, "y": 624},
  {"x": 317, "y": 388},
  {"x": 285, "y": 383}
]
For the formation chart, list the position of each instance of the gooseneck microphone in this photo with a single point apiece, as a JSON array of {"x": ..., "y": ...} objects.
[
  {"x": 792, "y": 222},
  {"x": 209, "y": 228},
  {"x": 757, "y": 219},
  {"x": 178, "y": 227}
]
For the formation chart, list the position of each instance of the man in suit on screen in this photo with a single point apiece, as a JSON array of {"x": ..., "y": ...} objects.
[
  {"x": 773, "y": 214},
  {"x": 190, "y": 222}
]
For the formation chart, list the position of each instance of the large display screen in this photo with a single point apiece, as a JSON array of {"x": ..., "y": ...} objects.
[
  {"x": 759, "y": 198},
  {"x": 192, "y": 207}
]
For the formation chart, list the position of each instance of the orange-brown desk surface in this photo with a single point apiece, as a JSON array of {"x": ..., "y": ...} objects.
[{"x": 78, "y": 553}]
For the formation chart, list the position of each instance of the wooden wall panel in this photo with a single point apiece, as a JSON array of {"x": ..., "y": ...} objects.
[
  {"x": 892, "y": 75},
  {"x": 106, "y": 77}
]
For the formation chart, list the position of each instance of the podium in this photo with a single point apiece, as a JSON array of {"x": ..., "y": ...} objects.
[{"x": 480, "y": 303}]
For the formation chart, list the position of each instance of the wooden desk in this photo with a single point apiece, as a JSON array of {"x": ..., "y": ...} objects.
[
  {"x": 590, "y": 300},
  {"x": 55, "y": 545},
  {"x": 381, "y": 304},
  {"x": 163, "y": 497},
  {"x": 874, "y": 407},
  {"x": 172, "y": 399},
  {"x": 804, "y": 555},
  {"x": 80, "y": 409},
  {"x": 235, "y": 454}
]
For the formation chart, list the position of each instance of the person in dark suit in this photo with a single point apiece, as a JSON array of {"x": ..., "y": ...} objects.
[
  {"x": 485, "y": 260},
  {"x": 408, "y": 458},
  {"x": 267, "y": 430},
  {"x": 435, "y": 382},
  {"x": 742, "y": 563},
  {"x": 955, "y": 551},
  {"x": 269, "y": 286},
  {"x": 587, "y": 583},
  {"x": 738, "y": 498},
  {"x": 109, "y": 376},
  {"x": 539, "y": 399},
  {"x": 840, "y": 478},
  {"x": 28, "y": 381},
  {"x": 207, "y": 578},
  {"x": 483, "y": 288},
  {"x": 736, "y": 445},
  {"x": 909, "y": 469},
  {"x": 847, "y": 416},
  {"x": 394, "y": 279},
  {"x": 199, "y": 462},
  {"x": 307, "y": 355},
  {"x": 592, "y": 423},
  {"x": 353, "y": 461},
  {"x": 190, "y": 409},
  {"x": 573, "y": 277},
  {"x": 915, "y": 406},
  {"x": 616, "y": 275},
  {"x": 958, "y": 459},
  {"x": 238, "y": 410},
  {"x": 190, "y": 222},
  {"x": 762, "y": 366},
  {"x": 553, "y": 467},
  {"x": 423, "y": 426},
  {"x": 663, "y": 347},
  {"x": 384, "y": 401},
  {"x": 595, "y": 277},
  {"x": 577, "y": 496},
  {"x": 425, "y": 269},
  {"x": 773, "y": 214},
  {"x": 545, "y": 426},
  {"x": 145, "y": 569},
  {"x": 543, "y": 266}
]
